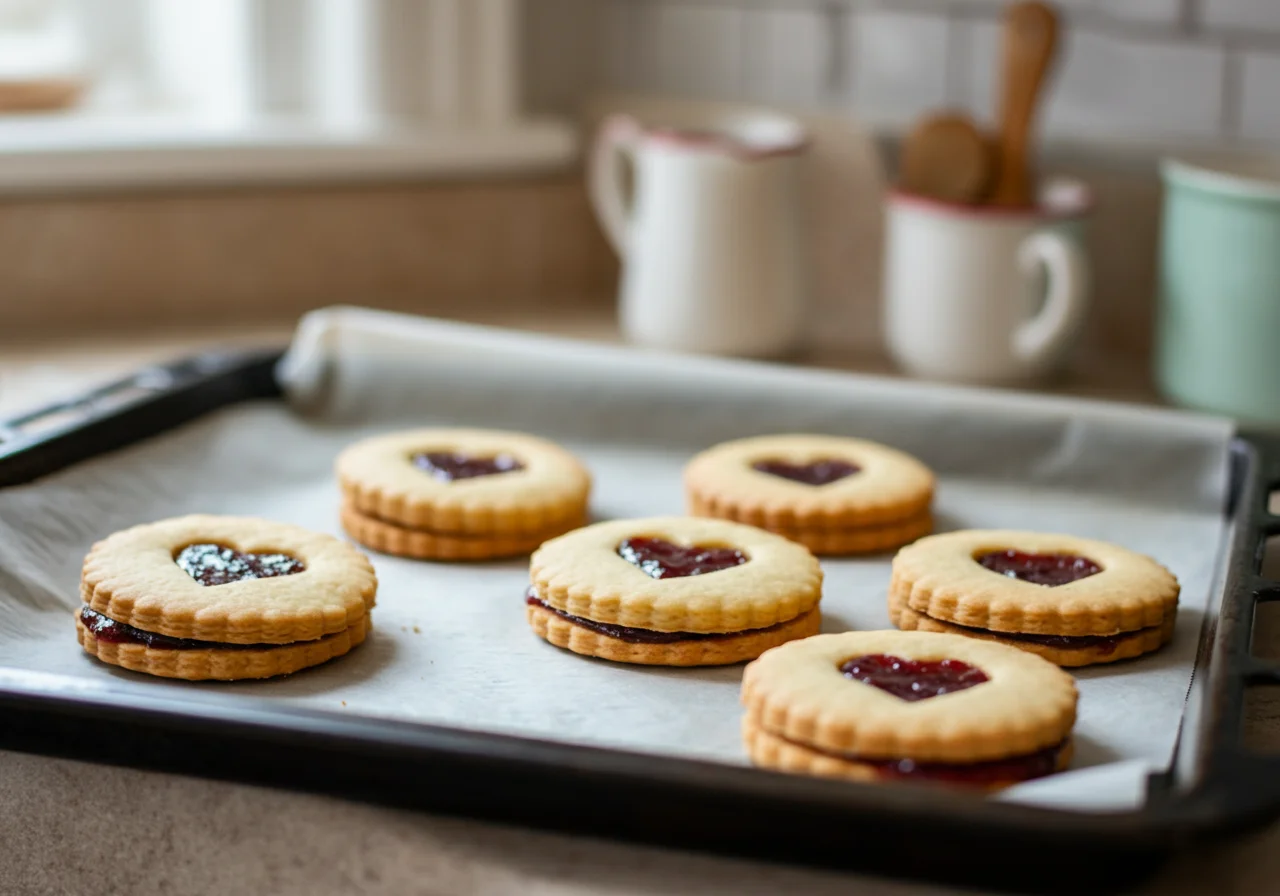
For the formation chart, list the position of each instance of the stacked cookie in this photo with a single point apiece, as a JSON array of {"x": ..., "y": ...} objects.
[
  {"x": 832, "y": 495},
  {"x": 460, "y": 494},
  {"x": 673, "y": 591},
  {"x": 1073, "y": 601},
  {"x": 872, "y": 706},
  {"x": 210, "y": 597}
]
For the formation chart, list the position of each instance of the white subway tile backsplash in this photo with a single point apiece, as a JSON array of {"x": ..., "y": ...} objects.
[
  {"x": 898, "y": 64},
  {"x": 1117, "y": 86},
  {"x": 1109, "y": 86},
  {"x": 699, "y": 49},
  {"x": 626, "y": 50},
  {"x": 1260, "y": 96},
  {"x": 975, "y": 46},
  {"x": 1241, "y": 14},
  {"x": 1164, "y": 12},
  {"x": 784, "y": 55},
  {"x": 1130, "y": 69}
]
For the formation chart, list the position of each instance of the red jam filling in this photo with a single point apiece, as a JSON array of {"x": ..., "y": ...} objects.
[
  {"x": 638, "y": 635},
  {"x": 663, "y": 560},
  {"x": 1105, "y": 643},
  {"x": 214, "y": 564},
  {"x": 447, "y": 466},
  {"x": 819, "y": 472},
  {"x": 1039, "y": 569},
  {"x": 913, "y": 680},
  {"x": 106, "y": 629},
  {"x": 977, "y": 774}
]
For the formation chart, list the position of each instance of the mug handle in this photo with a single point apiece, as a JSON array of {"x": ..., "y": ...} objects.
[
  {"x": 605, "y": 178},
  {"x": 1067, "y": 269}
]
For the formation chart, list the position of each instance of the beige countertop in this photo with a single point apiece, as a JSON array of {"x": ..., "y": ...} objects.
[
  {"x": 72, "y": 827},
  {"x": 32, "y": 371}
]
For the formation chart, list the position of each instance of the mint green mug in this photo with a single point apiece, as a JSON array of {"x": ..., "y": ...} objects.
[{"x": 1218, "y": 324}]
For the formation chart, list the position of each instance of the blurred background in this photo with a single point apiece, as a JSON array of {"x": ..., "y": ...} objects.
[{"x": 221, "y": 165}]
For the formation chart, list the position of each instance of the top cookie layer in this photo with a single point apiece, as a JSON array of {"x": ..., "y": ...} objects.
[
  {"x": 132, "y": 577},
  {"x": 938, "y": 576},
  {"x": 889, "y": 485},
  {"x": 798, "y": 691},
  {"x": 380, "y": 480},
  {"x": 582, "y": 574}
]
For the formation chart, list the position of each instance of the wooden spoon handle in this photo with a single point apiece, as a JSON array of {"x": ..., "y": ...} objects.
[{"x": 1030, "y": 39}]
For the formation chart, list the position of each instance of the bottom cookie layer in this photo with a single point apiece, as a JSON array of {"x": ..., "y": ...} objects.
[
  {"x": 840, "y": 541},
  {"x": 769, "y": 750},
  {"x": 1065, "y": 650},
  {"x": 220, "y": 663},
  {"x": 718, "y": 650},
  {"x": 420, "y": 545}
]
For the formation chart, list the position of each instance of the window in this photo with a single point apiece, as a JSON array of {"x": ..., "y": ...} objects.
[{"x": 155, "y": 91}]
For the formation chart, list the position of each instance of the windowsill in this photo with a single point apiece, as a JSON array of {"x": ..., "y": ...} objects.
[{"x": 84, "y": 151}]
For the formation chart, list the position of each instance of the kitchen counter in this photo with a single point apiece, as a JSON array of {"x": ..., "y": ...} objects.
[
  {"x": 32, "y": 372},
  {"x": 72, "y": 827}
]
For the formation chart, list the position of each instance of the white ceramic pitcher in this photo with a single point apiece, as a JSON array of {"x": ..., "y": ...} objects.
[{"x": 711, "y": 242}]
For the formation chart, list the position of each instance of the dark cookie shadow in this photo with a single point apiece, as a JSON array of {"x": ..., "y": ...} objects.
[
  {"x": 1183, "y": 647},
  {"x": 946, "y": 522},
  {"x": 1088, "y": 752},
  {"x": 366, "y": 661},
  {"x": 834, "y": 623}
]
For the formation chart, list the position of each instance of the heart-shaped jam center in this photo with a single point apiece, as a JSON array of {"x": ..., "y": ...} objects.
[
  {"x": 663, "y": 560},
  {"x": 215, "y": 564},
  {"x": 446, "y": 466},
  {"x": 818, "y": 472},
  {"x": 913, "y": 680},
  {"x": 1039, "y": 569}
]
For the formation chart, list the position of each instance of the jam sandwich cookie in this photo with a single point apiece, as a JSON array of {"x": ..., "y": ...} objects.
[
  {"x": 833, "y": 495},
  {"x": 673, "y": 591},
  {"x": 221, "y": 597},
  {"x": 1073, "y": 601},
  {"x": 876, "y": 706},
  {"x": 460, "y": 494}
]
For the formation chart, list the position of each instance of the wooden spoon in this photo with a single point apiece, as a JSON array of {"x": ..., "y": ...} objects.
[
  {"x": 1030, "y": 39},
  {"x": 946, "y": 157}
]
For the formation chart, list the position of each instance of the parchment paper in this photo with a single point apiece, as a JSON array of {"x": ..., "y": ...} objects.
[{"x": 450, "y": 643}]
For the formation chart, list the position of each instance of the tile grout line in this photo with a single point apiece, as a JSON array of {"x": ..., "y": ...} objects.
[{"x": 1230, "y": 118}]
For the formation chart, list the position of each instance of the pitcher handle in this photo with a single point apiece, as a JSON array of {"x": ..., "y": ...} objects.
[
  {"x": 617, "y": 137},
  {"x": 1067, "y": 270}
]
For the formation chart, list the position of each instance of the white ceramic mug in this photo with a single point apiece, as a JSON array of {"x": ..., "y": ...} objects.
[
  {"x": 711, "y": 243},
  {"x": 985, "y": 295}
]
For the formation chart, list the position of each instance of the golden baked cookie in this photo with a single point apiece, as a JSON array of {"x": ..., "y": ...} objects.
[
  {"x": 673, "y": 591},
  {"x": 222, "y": 597},
  {"x": 388, "y": 539},
  {"x": 202, "y": 660},
  {"x": 1074, "y": 601},
  {"x": 834, "y": 495},
  {"x": 456, "y": 494},
  {"x": 771, "y": 751},
  {"x": 908, "y": 705}
]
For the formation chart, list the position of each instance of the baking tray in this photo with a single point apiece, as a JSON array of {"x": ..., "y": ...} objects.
[{"x": 1213, "y": 787}]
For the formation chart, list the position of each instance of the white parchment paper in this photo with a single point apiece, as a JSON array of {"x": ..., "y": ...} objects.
[{"x": 450, "y": 643}]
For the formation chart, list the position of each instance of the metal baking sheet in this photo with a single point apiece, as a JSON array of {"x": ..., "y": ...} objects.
[{"x": 451, "y": 645}]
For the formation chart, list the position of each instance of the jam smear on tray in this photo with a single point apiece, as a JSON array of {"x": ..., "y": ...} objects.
[
  {"x": 1039, "y": 569},
  {"x": 661, "y": 559},
  {"x": 818, "y": 472},
  {"x": 995, "y": 771},
  {"x": 215, "y": 564},
  {"x": 912, "y": 680},
  {"x": 106, "y": 629},
  {"x": 446, "y": 466},
  {"x": 638, "y": 635}
]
